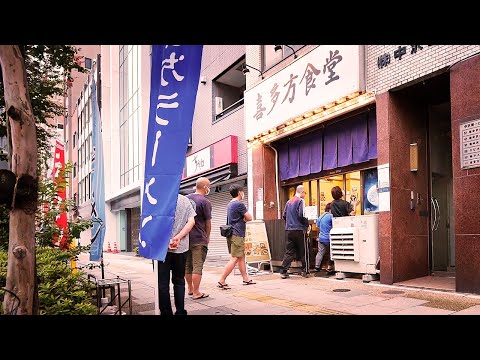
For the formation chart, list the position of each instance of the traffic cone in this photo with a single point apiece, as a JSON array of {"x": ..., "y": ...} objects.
[
  {"x": 109, "y": 248},
  {"x": 115, "y": 250}
]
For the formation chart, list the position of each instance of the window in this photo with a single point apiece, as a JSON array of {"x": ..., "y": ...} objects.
[
  {"x": 60, "y": 126},
  {"x": 74, "y": 170},
  {"x": 271, "y": 57},
  {"x": 74, "y": 139},
  {"x": 88, "y": 63},
  {"x": 130, "y": 122},
  {"x": 357, "y": 185},
  {"x": 228, "y": 90}
]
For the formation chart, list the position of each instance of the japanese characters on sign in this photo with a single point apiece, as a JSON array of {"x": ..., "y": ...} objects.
[
  {"x": 325, "y": 74},
  {"x": 402, "y": 50},
  {"x": 174, "y": 84}
]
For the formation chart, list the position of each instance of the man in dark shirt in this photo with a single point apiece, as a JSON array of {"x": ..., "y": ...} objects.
[
  {"x": 199, "y": 238},
  {"x": 237, "y": 216},
  {"x": 295, "y": 226}
]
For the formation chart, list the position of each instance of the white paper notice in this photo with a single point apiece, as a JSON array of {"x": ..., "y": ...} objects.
[
  {"x": 259, "y": 210},
  {"x": 384, "y": 187},
  {"x": 310, "y": 212}
]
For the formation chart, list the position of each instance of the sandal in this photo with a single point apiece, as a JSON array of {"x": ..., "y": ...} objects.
[
  {"x": 249, "y": 282},
  {"x": 223, "y": 286},
  {"x": 201, "y": 296}
]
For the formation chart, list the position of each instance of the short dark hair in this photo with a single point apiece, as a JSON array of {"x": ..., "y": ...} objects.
[
  {"x": 336, "y": 192},
  {"x": 234, "y": 189},
  {"x": 328, "y": 207}
]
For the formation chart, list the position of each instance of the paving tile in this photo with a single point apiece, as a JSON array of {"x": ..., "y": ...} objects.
[
  {"x": 210, "y": 311},
  {"x": 401, "y": 302},
  {"x": 150, "y": 312},
  {"x": 195, "y": 306},
  {"x": 294, "y": 312},
  {"x": 422, "y": 310},
  {"x": 340, "y": 307},
  {"x": 266, "y": 310},
  {"x": 360, "y": 300},
  {"x": 473, "y": 310},
  {"x": 373, "y": 309},
  {"x": 246, "y": 305}
]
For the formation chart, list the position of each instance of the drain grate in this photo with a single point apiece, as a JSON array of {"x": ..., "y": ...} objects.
[
  {"x": 392, "y": 292},
  {"x": 340, "y": 290}
]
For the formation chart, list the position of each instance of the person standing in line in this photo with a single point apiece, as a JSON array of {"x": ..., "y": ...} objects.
[
  {"x": 295, "y": 226},
  {"x": 237, "y": 216},
  {"x": 199, "y": 238},
  {"x": 339, "y": 206},
  {"x": 175, "y": 259},
  {"x": 324, "y": 223}
]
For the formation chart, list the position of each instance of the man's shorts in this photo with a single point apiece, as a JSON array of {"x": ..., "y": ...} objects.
[
  {"x": 195, "y": 258},
  {"x": 236, "y": 246}
]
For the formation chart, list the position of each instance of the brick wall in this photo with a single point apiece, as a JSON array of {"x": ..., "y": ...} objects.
[
  {"x": 215, "y": 60},
  {"x": 411, "y": 66}
]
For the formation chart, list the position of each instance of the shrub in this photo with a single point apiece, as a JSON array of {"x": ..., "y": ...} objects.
[{"x": 60, "y": 290}]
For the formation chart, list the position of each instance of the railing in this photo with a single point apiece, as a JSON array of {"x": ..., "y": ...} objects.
[
  {"x": 229, "y": 109},
  {"x": 15, "y": 302}
]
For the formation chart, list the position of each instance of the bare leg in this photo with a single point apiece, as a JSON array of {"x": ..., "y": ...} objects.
[
  {"x": 228, "y": 269},
  {"x": 243, "y": 268},
  {"x": 190, "y": 285},
  {"x": 196, "y": 279}
]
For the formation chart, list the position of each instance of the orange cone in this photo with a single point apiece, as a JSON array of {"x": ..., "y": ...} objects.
[
  {"x": 115, "y": 250},
  {"x": 109, "y": 249}
]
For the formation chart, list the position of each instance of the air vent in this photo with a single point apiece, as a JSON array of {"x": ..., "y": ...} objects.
[{"x": 343, "y": 244}]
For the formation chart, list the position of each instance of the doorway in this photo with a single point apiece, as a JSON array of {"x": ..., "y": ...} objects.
[{"x": 442, "y": 238}]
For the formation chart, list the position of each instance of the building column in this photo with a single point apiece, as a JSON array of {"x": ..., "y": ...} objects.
[
  {"x": 264, "y": 181},
  {"x": 465, "y": 106},
  {"x": 403, "y": 233}
]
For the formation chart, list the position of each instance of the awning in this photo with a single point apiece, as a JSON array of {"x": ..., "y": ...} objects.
[{"x": 215, "y": 176}]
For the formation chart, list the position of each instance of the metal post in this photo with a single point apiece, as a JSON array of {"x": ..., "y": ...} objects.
[{"x": 130, "y": 296}]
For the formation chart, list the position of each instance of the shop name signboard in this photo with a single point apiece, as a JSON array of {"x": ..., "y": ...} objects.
[
  {"x": 402, "y": 50},
  {"x": 218, "y": 154},
  {"x": 470, "y": 144},
  {"x": 198, "y": 162},
  {"x": 327, "y": 73}
]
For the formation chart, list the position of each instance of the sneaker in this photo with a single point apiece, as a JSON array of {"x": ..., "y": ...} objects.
[
  {"x": 304, "y": 274},
  {"x": 284, "y": 275},
  {"x": 317, "y": 269}
]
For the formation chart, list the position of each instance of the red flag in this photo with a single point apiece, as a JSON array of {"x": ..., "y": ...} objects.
[{"x": 59, "y": 178}]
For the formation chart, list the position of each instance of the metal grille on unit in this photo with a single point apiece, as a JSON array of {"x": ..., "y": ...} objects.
[{"x": 344, "y": 244}]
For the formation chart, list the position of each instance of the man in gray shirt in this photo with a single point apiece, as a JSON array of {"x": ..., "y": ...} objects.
[{"x": 175, "y": 259}]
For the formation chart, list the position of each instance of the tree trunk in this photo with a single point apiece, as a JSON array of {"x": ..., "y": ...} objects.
[{"x": 21, "y": 248}]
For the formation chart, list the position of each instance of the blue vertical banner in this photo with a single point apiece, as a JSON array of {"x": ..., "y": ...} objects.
[
  {"x": 174, "y": 84},
  {"x": 98, "y": 182}
]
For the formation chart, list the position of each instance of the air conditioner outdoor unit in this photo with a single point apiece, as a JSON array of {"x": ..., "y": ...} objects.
[
  {"x": 218, "y": 105},
  {"x": 354, "y": 244}
]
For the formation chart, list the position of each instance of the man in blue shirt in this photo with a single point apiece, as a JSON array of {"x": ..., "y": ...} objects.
[{"x": 295, "y": 226}]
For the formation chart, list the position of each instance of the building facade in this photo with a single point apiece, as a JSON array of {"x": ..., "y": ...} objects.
[
  {"x": 428, "y": 139},
  {"x": 217, "y": 147},
  {"x": 309, "y": 121},
  {"x": 405, "y": 142},
  {"x": 75, "y": 125}
]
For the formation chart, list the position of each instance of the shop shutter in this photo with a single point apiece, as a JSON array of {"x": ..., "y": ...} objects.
[{"x": 217, "y": 249}]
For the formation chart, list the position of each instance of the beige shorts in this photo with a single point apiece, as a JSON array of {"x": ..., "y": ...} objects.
[
  {"x": 236, "y": 246},
  {"x": 195, "y": 259}
]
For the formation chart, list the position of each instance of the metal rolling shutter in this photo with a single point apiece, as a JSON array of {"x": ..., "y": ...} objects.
[{"x": 217, "y": 249}]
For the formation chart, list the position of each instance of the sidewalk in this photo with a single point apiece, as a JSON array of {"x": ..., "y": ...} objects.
[{"x": 293, "y": 296}]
